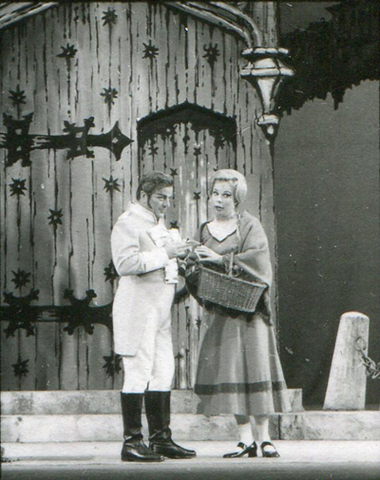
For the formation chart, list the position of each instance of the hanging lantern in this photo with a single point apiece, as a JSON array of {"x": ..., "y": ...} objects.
[
  {"x": 265, "y": 68},
  {"x": 266, "y": 71}
]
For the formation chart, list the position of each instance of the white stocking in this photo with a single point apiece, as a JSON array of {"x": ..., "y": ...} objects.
[
  {"x": 245, "y": 433},
  {"x": 262, "y": 428}
]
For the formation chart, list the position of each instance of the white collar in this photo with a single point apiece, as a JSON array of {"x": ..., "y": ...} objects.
[
  {"x": 222, "y": 230},
  {"x": 144, "y": 212}
]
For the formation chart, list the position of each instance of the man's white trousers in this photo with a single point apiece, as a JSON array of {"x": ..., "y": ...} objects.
[{"x": 152, "y": 368}]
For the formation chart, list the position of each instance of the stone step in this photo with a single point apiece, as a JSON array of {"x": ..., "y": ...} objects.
[
  {"x": 310, "y": 425},
  {"x": 330, "y": 425},
  {"x": 107, "y": 427},
  {"x": 81, "y": 455},
  {"x": 64, "y": 402}
]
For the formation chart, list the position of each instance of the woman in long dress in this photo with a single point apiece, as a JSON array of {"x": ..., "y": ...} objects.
[{"x": 239, "y": 370}]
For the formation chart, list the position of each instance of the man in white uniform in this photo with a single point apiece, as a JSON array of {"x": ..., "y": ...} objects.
[{"x": 145, "y": 256}]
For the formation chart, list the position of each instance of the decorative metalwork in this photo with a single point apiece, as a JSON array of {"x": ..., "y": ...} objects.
[
  {"x": 17, "y": 187},
  {"x": 197, "y": 195},
  {"x": 111, "y": 184},
  {"x": 68, "y": 52},
  {"x": 17, "y": 96},
  {"x": 212, "y": 53},
  {"x": 112, "y": 365},
  {"x": 266, "y": 71},
  {"x": 79, "y": 148},
  {"x": 17, "y": 140},
  {"x": 55, "y": 217},
  {"x": 197, "y": 151},
  {"x": 20, "y": 369},
  {"x": 81, "y": 312},
  {"x": 110, "y": 272},
  {"x": 77, "y": 140},
  {"x": 109, "y": 95},
  {"x": 174, "y": 173},
  {"x": 18, "y": 313},
  {"x": 109, "y": 17},
  {"x": 150, "y": 50},
  {"x": 21, "y": 278},
  {"x": 152, "y": 149}
]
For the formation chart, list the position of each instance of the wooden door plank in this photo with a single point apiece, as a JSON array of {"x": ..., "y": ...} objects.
[
  {"x": 48, "y": 356},
  {"x": 99, "y": 346},
  {"x": 69, "y": 365},
  {"x": 9, "y": 357}
]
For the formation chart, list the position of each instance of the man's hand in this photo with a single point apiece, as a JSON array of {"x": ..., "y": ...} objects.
[{"x": 177, "y": 249}]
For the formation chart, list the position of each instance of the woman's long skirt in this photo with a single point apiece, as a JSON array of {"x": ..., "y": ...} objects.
[{"x": 239, "y": 370}]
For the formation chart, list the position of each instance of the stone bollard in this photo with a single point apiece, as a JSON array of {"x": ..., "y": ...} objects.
[{"x": 347, "y": 381}]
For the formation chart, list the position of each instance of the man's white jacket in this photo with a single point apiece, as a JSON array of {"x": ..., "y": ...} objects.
[{"x": 142, "y": 294}]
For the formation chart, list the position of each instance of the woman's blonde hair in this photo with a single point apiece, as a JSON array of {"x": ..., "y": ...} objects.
[{"x": 236, "y": 180}]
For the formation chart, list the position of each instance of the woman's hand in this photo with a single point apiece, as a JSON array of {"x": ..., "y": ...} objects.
[{"x": 205, "y": 254}]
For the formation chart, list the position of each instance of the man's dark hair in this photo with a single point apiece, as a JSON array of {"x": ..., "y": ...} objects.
[{"x": 151, "y": 182}]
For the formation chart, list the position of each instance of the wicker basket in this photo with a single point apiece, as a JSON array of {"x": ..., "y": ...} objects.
[{"x": 229, "y": 291}]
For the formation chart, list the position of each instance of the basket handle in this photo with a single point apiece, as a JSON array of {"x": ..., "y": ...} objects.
[{"x": 230, "y": 267}]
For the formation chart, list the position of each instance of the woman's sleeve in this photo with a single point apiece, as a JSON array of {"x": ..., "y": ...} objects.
[
  {"x": 192, "y": 258},
  {"x": 198, "y": 233},
  {"x": 254, "y": 257}
]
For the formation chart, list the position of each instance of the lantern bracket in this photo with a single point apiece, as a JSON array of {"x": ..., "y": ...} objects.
[{"x": 265, "y": 70}]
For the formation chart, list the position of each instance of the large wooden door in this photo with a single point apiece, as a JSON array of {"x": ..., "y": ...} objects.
[
  {"x": 95, "y": 93},
  {"x": 189, "y": 143}
]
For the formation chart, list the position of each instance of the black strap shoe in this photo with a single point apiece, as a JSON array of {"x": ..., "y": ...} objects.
[
  {"x": 250, "y": 450},
  {"x": 269, "y": 450},
  {"x": 157, "y": 406}
]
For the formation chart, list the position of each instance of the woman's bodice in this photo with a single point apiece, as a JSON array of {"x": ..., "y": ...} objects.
[{"x": 229, "y": 244}]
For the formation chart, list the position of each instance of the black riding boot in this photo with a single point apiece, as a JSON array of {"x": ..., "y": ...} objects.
[
  {"x": 134, "y": 449},
  {"x": 157, "y": 406}
]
